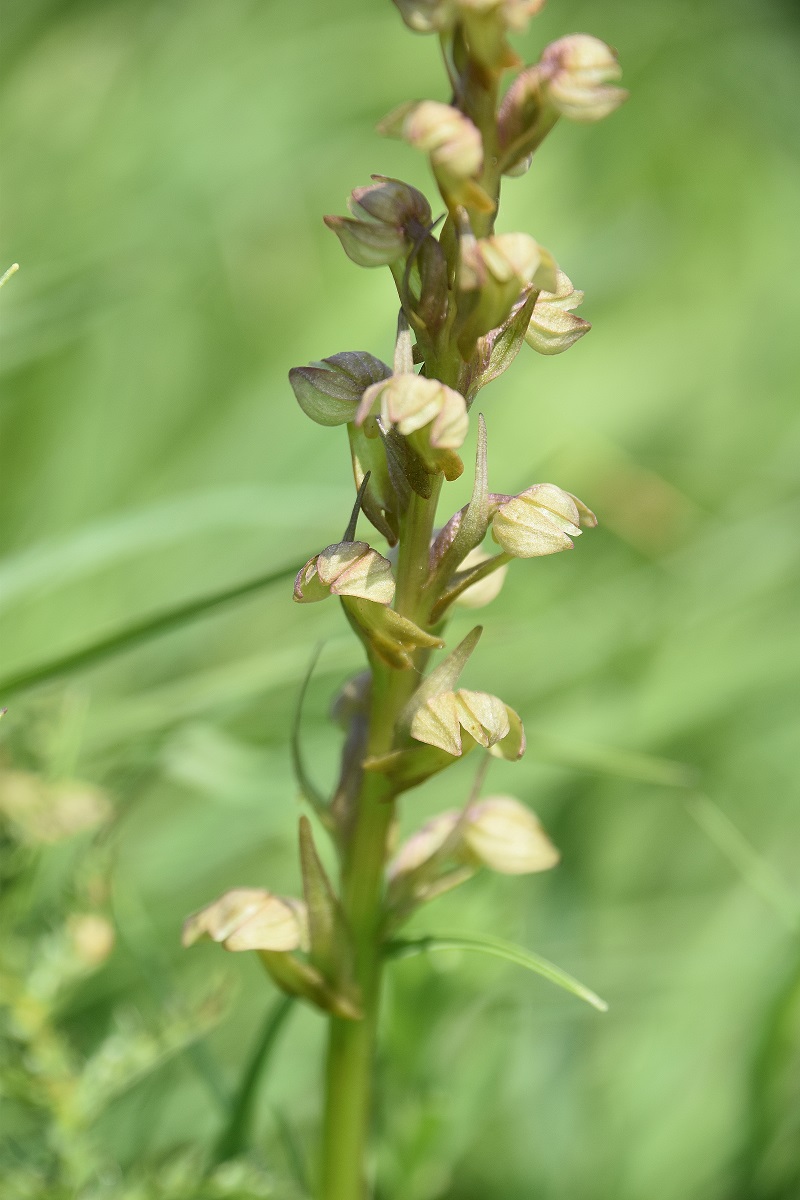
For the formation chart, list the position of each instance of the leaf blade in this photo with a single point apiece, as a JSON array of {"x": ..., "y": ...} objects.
[
  {"x": 497, "y": 948},
  {"x": 137, "y": 632},
  {"x": 236, "y": 1134}
]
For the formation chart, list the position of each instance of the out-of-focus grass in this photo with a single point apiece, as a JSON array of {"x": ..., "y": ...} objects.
[{"x": 165, "y": 168}]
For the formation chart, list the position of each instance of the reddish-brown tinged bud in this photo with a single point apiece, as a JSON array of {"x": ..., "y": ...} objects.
[
  {"x": 575, "y": 78},
  {"x": 441, "y": 131},
  {"x": 578, "y": 76},
  {"x": 453, "y": 144},
  {"x": 330, "y": 391},
  {"x": 368, "y": 244},
  {"x": 388, "y": 216},
  {"x": 390, "y": 201}
]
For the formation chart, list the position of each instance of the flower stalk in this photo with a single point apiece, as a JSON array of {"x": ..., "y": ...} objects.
[{"x": 469, "y": 299}]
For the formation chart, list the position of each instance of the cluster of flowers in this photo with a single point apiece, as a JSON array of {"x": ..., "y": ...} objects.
[{"x": 470, "y": 298}]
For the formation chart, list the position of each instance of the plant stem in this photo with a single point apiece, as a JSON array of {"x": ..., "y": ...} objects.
[{"x": 351, "y": 1045}]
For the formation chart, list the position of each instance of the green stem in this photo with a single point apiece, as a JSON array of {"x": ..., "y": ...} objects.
[{"x": 351, "y": 1045}]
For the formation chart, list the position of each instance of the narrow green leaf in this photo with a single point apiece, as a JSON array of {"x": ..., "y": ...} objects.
[
  {"x": 121, "y": 539},
  {"x": 236, "y": 1135},
  {"x": 499, "y": 949},
  {"x": 755, "y": 870},
  {"x": 139, "y": 631}
]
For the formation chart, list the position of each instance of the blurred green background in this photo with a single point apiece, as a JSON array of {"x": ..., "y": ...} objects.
[{"x": 165, "y": 168}]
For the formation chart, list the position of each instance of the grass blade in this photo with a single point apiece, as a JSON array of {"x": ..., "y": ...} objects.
[
  {"x": 294, "y": 1155},
  {"x": 755, "y": 870},
  {"x": 611, "y": 760},
  {"x": 134, "y": 634},
  {"x": 237, "y": 1133},
  {"x": 499, "y": 949}
]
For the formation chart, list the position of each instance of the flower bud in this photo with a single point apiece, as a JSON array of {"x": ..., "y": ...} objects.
[
  {"x": 363, "y": 580},
  {"x": 493, "y": 272},
  {"x": 329, "y": 391},
  {"x": 249, "y": 919},
  {"x": 424, "y": 844},
  {"x": 368, "y": 243},
  {"x": 274, "y": 926},
  {"x": 387, "y": 217},
  {"x": 441, "y": 131},
  {"x": 524, "y": 120},
  {"x": 553, "y": 326},
  {"x": 505, "y": 258},
  {"x": 541, "y": 520},
  {"x": 432, "y": 861},
  {"x": 453, "y": 144},
  {"x": 498, "y": 832},
  {"x": 392, "y": 202},
  {"x": 506, "y": 836},
  {"x": 577, "y": 75},
  {"x": 445, "y": 718},
  {"x": 431, "y": 415},
  {"x": 485, "y": 590},
  {"x": 346, "y": 569}
]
